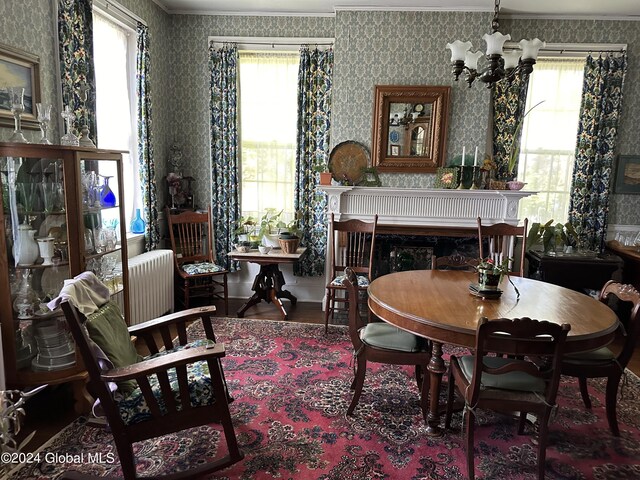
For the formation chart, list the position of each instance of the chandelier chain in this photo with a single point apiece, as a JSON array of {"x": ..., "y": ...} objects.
[{"x": 495, "y": 23}]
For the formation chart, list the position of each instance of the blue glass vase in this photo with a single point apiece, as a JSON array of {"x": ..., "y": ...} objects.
[
  {"x": 107, "y": 197},
  {"x": 137, "y": 224}
]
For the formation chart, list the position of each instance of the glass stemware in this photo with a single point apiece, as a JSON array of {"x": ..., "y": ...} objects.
[
  {"x": 16, "y": 98},
  {"x": 69, "y": 138},
  {"x": 44, "y": 117}
]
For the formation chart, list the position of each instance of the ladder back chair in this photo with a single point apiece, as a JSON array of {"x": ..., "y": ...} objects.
[
  {"x": 501, "y": 239},
  {"x": 383, "y": 343},
  {"x": 509, "y": 384},
  {"x": 180, "y": 385},
  {"x": 197, "y": 274},
  {"x": 603, "y": 363},
  {"x": 352, "y": 244}
]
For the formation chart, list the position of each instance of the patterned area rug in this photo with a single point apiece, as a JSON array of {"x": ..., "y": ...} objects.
[{"x": 291, "y": 388}]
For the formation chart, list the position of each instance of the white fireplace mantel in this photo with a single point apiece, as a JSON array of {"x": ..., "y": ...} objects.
[{"x": 424, "y": 207}]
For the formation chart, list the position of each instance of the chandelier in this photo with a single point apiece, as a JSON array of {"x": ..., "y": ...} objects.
[{"x": 500, "y": 64}]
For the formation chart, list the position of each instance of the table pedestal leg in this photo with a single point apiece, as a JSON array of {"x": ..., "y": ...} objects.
[
  {"x": 268, "y": 287},
  {"x": 436, "y": 370}
]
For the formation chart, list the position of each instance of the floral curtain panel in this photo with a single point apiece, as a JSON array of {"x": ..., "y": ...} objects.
[
  {"x": 146, "y": 162},
  {"x": 315, "y": 80},
  {"x": 224, "y": 149},
  {"x": 597, "y": 136},
  {"x": 509, "y": 100},
  {"x": 75, "y": 36}
]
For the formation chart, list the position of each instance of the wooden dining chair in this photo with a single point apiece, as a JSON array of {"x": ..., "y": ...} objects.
[
  {"x": 352, "y": 244},
  {"x": 500, "y": 240},
  {"x": 455, "y": 261},
  {"x": 383, "y": 343},
  {"x": 197, "y": 274},
  {"x": 511, "y": 383},
  {"x": 180, "y": 385},
  {"x": 603, "y": 363}
]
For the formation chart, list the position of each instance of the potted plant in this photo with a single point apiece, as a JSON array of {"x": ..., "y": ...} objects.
[
  {"x": 269, "y": 228},
  {"x": 289, "y": 238},
  {"x": 324, "y": 175},
  {"x": 245, "y": 227},
  {"x": 490, "y": 273},
  {"x": 552, "y": 236}
]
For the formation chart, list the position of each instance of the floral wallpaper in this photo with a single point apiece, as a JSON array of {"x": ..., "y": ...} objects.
[{"x": 370, "y": 48}]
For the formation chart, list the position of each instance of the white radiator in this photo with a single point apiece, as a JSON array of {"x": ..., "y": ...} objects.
[{"x": 150, "y": 285}]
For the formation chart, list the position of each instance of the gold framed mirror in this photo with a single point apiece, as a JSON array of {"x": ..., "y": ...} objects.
[{"x": 410, "y": 127}]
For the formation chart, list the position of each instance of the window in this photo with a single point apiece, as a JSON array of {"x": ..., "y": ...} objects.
[
  {"x": 114, "y": 47},
  {"x": 268, "y": 118},
  {"x": 549, "y": 137}
]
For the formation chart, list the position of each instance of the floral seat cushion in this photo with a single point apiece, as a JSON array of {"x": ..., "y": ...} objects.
[
  {"x": 363, "y": 281},
  {"x": 134, "y": 409},
  {"x": 202, "y": 267}
]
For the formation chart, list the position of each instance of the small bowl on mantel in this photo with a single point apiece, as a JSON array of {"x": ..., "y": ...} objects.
[{"x": 515, "y": 185}]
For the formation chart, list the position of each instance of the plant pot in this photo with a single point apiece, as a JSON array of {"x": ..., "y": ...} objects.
[
  {"x": 325, "y": 178},
  {"x": 270, "y": 240},
  {"x": 289, "y": 245},
  {"x": 487, "y": 280}
]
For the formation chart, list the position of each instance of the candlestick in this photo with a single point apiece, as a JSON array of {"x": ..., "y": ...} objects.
[
  {"x": 464, "y": 150},
  {"x": 475, "y": 159}
]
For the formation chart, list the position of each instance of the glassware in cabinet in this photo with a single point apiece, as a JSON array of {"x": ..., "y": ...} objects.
[{"x": 46, "y": 213}]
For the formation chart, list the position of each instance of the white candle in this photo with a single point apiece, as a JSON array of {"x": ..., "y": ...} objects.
[
  {"x": 464, "y": 150},
  {"x": 475, "y": 159}
]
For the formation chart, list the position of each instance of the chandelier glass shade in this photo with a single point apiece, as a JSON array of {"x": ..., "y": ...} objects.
[{"x": 501, "y": 64}]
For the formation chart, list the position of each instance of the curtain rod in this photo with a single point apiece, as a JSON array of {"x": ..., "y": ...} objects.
[
  {"x": 577, "y": 47},
  {"x": 111, "y": 5},
  {"x": 274, "y": 42}
]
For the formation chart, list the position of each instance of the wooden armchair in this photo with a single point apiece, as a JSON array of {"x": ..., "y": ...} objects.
[
  {"x": 603, "y": 363},
  {"x": 511, "y": 384},
  {"x": 175, "y": 388},
  {"x": 197, "y": 274},
  {"x": 384, "y": 343}
]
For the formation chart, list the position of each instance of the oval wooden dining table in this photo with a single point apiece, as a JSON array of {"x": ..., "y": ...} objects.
[{"x": 437, "y": 304}]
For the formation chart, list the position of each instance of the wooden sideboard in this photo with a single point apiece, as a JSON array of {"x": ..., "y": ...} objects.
[
  {"x": 631, "y": 258},
  {"x": 575, "y": 271}
]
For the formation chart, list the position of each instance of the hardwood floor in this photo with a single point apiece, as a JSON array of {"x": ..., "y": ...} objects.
[{"x": 52, "y": 410}]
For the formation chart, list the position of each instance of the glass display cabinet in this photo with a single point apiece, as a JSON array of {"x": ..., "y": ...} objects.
[{"x": 62, "y": 214}]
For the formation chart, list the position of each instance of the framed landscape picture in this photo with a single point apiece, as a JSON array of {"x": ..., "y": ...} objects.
[
  {"x": 627, "y": 174},
  {"x": 19, "y": 69}
]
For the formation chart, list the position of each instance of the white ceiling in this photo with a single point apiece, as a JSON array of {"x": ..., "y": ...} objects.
[{"x": 545, "y": 8}]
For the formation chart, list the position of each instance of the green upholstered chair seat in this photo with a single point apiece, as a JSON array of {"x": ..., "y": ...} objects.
[
  {"x": 134, "y": 408},
  {"x": 363, "y": 281},
  {"x": 518, "y": 381},
  {"x": 601, "y": 355},
  {"x": 383, "y": 335},
  {"x": 202, "y": 267}
]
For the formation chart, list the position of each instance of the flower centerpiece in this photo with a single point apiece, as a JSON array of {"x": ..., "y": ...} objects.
[{"x": 490, "y": 273}]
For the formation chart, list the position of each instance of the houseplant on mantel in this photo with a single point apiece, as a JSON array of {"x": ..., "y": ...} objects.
[{"x": 324, "y": 175}]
